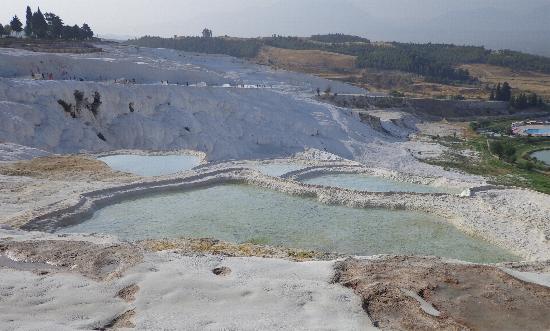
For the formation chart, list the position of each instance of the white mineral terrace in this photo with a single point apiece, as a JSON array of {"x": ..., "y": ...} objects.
[
  {"x": 275, "y": 140},
  {"x": 496, "y": 214}
]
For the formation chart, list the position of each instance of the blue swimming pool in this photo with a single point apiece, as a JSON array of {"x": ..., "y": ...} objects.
[{"x": 543, "y": 131}]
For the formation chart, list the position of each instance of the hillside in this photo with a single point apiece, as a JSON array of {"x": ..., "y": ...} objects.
[
  {"x": 434, "y": 70},
  {"x": 523, "y": 80},
  {"x": 313, "y": 61}
]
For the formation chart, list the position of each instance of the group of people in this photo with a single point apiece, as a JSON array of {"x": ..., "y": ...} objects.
[
  {"x": 42, "y": 76},
  {"x": 50, "y": 76},
  {"x": 65, "y": 76},
  {"x": 165, "y": 82},
  {"x": 124, "y": 81}
]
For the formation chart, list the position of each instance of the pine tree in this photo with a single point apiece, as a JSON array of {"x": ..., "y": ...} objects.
[
  {"x": 67, "y": 32},
  {"x": 39, "y": 24},
  {"x": 7, "y": 30},
  {"x": 506, "y": 92},
  {"x": 87, "y": 31},
  {"x": 498, "y": 93},
  {"x": 55, "y": 25},
  {"x": 520, "y": 102},
  {"x": 207, "y": 33},
  {"x": 28, "y": 23},
  {"x": 2, "y": 31},
  {"x": 533, "y": 100},
  {"x": 16, "y": 25},
  {"x": 77, "y": 32}
]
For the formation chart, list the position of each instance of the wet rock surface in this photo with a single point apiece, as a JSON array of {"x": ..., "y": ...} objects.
[
  {"x": 98, "y": 262},
  {"x": 145, "y": 285},
  {"x": 467, "y": 297}
]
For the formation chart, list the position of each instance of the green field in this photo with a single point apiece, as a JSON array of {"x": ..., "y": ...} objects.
[{"x": 509, "y": 164}]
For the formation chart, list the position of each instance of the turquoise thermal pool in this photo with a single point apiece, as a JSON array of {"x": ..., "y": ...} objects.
[
  {"x": 151, "y": 165},
  {"x": 239, "y": 213},
  {"x": 361, "y": 182}
]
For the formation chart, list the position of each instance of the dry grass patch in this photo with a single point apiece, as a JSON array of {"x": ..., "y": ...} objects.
[
  {"x": 523, "y": 80},
  {"x": 306, "y": 60},
  {"x": 62, "y": 168},
  {"x": 217, "y": 247}
]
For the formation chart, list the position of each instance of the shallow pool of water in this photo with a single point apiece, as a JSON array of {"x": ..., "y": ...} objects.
[
  {"x": 361, "y": 182},
  {"x": 544, "y": 156},
  {"x": 278, "y": 169},
  {"x": 151, "y": 165},
  {"x": 239, "y": 213}
]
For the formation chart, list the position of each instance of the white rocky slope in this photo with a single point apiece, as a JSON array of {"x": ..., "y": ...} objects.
[
  {"x": 12, "y": 152},
  {"x": 277, "y": 119},
  {"x": 227, "y": 123},
  {"x": 151, "y": 66}
]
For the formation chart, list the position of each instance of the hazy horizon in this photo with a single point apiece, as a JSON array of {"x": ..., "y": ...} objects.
[{"x": 496, "y": 24}]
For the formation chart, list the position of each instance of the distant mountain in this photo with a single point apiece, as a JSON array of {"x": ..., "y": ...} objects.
[
  {"x": 493, "y": 19},
  {"x": 489, "y": 26}
]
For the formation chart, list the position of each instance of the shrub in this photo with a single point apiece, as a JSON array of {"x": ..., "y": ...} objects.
[
  {"x": 527, "y": 165},
  {"x": 94, "y": 107},
  {"x": 67, "y": 107},
  {"x": 78, "y": 96},
  {"x": 397, "y": 94},
  {"x": 497, "y": 148}
]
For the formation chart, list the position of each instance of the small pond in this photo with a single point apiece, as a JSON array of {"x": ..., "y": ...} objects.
[
  {"x": 239, "y": 213},
  {"x": 544, "y": 156},
  {"x": 151, "y": 165},
  {"x": 361, "y": 182}
]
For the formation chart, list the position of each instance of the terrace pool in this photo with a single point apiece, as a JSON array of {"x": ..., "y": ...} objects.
[
  {"x": 278, "y": 169},
  {"x": 361, "y": 182},
  {"x": 151, "y": 165},
  {"x": 240, "y": 213}
]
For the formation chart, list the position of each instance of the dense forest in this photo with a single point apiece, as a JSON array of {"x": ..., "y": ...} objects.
[
  {"x": 436, "y": 62},
  {"x": 45, "y": 26},
  {"x": 299, "y": 43},
  {"x": 519, "y": 61},
  {"x": 338, "y": 38}
]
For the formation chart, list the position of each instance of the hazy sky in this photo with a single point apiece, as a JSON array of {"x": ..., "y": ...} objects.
[{"x": 491, "y": 22}]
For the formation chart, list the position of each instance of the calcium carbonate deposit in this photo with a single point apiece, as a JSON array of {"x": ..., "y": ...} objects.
[{"x": 207, "y": 193}]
